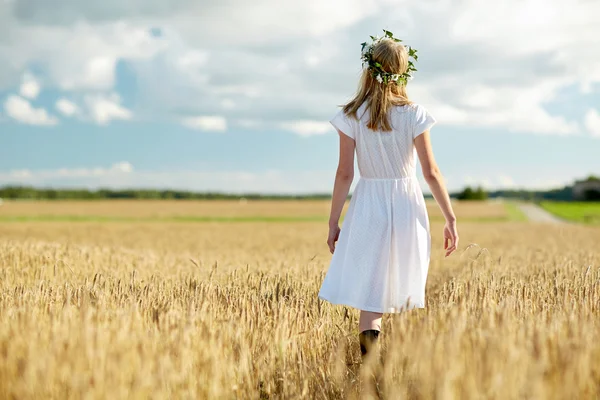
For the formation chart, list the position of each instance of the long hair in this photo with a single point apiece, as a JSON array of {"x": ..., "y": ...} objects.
[{"x": 380, "y": 97}]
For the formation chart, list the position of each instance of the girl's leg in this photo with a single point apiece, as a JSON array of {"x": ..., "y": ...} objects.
[
  {"x": 369, "y": 326},
  {"x": 369, "y": 320}
]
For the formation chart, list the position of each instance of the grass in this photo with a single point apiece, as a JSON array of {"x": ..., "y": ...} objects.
[
  {"x": 230, "y": 310},
  {"x": 514, "y": 213},
  {"x": 584, "y": 212}
]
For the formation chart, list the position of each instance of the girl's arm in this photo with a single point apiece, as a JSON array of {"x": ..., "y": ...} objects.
[
  {"x": 343, "y": 180},
  {"x": 435, "y": 180}
]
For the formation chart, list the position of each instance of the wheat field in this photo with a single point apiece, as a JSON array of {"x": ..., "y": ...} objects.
[{"x": 162, "y": 308}]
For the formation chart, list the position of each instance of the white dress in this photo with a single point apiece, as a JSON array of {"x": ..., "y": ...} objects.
[{"x": 381, "y": 258}]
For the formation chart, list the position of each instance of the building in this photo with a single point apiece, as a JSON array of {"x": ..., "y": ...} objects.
[{"x": 588, "y": 189}]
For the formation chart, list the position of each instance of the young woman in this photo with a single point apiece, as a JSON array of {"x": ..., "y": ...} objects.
[{"x": 381, "y": 258}]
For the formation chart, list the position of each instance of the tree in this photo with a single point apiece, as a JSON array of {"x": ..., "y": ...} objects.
[
  {"x": 469, "y": 194},
  {"x": 592, "y": 178}
]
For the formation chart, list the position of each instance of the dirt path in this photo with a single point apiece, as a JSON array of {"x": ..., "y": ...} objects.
[{"x": 535, "y": 213}]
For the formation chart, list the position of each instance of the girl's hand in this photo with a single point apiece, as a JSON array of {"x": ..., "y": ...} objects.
[
  {"x": 450, "y": 237},
  {"x": 334, "y": 233}
]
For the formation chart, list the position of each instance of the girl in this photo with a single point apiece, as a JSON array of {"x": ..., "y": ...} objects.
[{"x": 381, "y": 259}]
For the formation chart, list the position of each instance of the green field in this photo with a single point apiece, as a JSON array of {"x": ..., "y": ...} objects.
[
  {"x": 513, "y": 212},
  {"x": 588, "y": 213}
]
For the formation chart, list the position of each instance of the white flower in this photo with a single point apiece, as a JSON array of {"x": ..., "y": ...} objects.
[
  {"x": 410, "y": 77},
  {"x": 407, "y": 48},
  {"x": 379, "y": 78},
  {"x": 395, "y": 77}
]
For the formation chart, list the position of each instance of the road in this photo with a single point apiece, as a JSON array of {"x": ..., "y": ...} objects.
[{"x": 535, "y": 213}]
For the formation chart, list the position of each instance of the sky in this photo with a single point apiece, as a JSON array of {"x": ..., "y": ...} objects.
[{"x": 235, "y": 96}]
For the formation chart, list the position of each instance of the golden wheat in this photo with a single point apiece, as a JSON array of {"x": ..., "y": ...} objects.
[
  {"x": 216, "y": 208},
  {"x": 229, "y": 310}
]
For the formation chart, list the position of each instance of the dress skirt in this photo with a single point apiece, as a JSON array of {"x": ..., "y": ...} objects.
[{"x": 381, "y": 258}]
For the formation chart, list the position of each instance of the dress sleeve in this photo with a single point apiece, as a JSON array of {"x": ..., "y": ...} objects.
[
  {"x": 344, "y": 123},
  {"x": 423, "y": 121}
]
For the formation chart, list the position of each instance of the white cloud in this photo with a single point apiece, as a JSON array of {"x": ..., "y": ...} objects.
[
  {"x": 467, "y": 76},
  {"x": 506, "y": 181},
  {"x": 30, "y": 88},
  {"x": 250, "y": 123},
  {"x": 483, "y": 181},
  {"x": 122, "y": 175},
  {"x": 228, "y": 104},
  {"x": 21, "y": 110},
  {"x": 122, "y": 166},
  {"x": 191, "y": 60},
  {"x": 67, "y": 107},
  {"x": 592, "y": 122},
  {"x": 17, "y": 174},
  {"x": 518, "y": 108},
  {"x": 105, "y": 108},
  {"x": 77, "y": 56},
  {"x": 116, "y": 169},
  {"x": 529, "y": 180},
  {"x": 59, "y": 175},
  {"x": 97, "y": 72},
  {"x": 312, "y": 61},
  {"x": 547, "y": 184},
  {"x": 206, "y": 123},
  {"x": 307, "y": 128}
]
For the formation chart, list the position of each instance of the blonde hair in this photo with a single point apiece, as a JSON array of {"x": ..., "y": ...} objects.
[{"x": 381, "y": 97}]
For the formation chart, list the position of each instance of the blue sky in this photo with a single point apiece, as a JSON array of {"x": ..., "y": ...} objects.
[{"x": 235, "y": 97}]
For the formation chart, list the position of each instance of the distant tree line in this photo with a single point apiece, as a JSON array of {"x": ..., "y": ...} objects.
[
  {"x": 469, "y": 193},
  {"x": 472, "y": 194},
  {"x": 562, "y": 194},
  {"x": 31, "y": 193}
]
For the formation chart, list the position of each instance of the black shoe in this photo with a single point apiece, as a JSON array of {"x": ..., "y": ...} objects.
[{"x": 367, "y": 339}]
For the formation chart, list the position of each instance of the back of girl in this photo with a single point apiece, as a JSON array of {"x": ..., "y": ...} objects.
[{"x": 381, "y": 255}]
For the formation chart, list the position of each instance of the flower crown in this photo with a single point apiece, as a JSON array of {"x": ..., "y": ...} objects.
[{"x": 377, "y": 72}]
